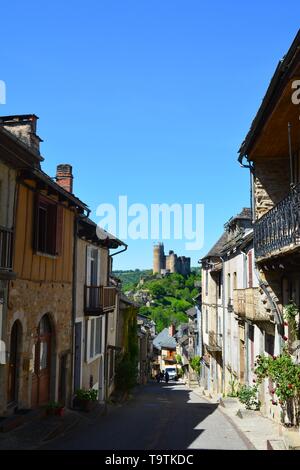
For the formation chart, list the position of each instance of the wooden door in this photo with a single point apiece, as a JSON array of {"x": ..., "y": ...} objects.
[
  {"x": 14, "y": 359},
  {"x": 42, "y": 364}
]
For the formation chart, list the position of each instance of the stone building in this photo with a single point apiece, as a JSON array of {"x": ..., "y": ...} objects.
[
  {"x": 271, "y": 150},
  {"x": 38, "y": 321},
  {"x": 96, "y": 308},
  {"x": 14, "y": 156},
  {"x": 171, "y": 263},
  {"x": 229, "y": 327}
]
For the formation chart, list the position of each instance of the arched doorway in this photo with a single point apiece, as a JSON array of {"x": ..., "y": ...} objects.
[
  {"x": 14, "y": 362},
  {"x": 42, "y": 363}
]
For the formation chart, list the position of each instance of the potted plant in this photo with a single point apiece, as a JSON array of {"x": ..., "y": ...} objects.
[
  {"x": 86, "y": 399},
  {"x": 55, "y": 408}
]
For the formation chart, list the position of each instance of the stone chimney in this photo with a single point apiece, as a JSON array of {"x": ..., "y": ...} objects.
[
  {"x": 24, "y": 128},
  {"x": 64, "y": 177},
  {"x": 172, "y": 330}
]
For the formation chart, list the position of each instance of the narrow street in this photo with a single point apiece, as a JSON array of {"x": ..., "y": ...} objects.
[{"x": 159, "y": 416}]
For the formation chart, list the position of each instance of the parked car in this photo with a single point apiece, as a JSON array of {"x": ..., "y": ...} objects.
[{"x": 172, "y": 372}]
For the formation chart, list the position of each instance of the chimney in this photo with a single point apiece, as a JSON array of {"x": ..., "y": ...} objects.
[
  {"x": 172, "y": 330},
  {"x": 64, "y": 177},
  {"x": 24, "y": 128}
]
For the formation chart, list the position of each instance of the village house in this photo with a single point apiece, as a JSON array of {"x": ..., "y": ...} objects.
[
  {"x": 96, "y": 303},
  {"x": 15, "y": 155},
  {"x": 38, "y": 321},
  {"x": 271, "y": 151},
  {"x": 164, "y": 345},
  {"x": 229, "y": 326}
]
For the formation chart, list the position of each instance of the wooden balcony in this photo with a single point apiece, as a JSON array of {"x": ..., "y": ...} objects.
[
  {"x": 6, "y": 243},
  {"x": 247, "y": 305},
  {"x": 239, "y": 302},
  {"x": 214, "y": 341},
  {"x": 278, "y": 231},
  {"x": 99, "y": 300}
]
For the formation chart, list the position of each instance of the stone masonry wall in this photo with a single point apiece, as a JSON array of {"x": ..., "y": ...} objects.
[{"x": 271, "y": 183}]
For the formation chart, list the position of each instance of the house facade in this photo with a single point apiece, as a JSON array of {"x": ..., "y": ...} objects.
[
  {"x": 96, "y": 303},
  {"x": 232, "y": 331},
  {"x": 271, "y": 151},
  {"x": 38, "y": 323}
]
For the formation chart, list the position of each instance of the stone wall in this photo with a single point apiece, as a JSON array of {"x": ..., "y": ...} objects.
[
  {"x": 28, "y": 302},
  {"x": 271, "y": 183}
]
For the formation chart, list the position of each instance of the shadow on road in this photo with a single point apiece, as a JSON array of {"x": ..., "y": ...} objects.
[{"x": 159, "y": 416}]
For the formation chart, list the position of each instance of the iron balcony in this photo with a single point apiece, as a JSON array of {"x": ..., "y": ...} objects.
[{"x": 278, "y": 231}]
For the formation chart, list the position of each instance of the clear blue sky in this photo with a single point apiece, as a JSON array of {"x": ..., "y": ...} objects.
[{"x": 146, "y": 98}]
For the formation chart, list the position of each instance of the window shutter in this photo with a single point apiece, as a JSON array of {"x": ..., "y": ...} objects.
[
  {"x": 59, "y": 230},
  {"x": 88, "y": 265},
  {"x": 98, "y": 267},
  {"x": 36, "y": 223}
]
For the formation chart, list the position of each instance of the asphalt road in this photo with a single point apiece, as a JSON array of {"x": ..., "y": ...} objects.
[{"x": 158, "y": 417}]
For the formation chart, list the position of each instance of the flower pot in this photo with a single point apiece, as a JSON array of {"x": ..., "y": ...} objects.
[
  {"x": 86, "y": 405},
  {"x": 60, "y": 411}
]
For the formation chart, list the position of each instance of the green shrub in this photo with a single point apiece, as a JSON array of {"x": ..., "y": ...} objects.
[
  {"x": 83, "y": 394},
  {"x": 248, "y": 396}
]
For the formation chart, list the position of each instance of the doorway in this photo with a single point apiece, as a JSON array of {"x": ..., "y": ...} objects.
[
  {"x": 42, "y": 363},
  {"x": 14, "y": 362}
]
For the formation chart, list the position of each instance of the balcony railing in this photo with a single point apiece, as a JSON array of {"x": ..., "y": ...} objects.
[
  {"x": 280, "y": 227},
  {"x": 99, "y": 299},
  {"x": 214, "y": 341},
  {"x": 6, "y": 240}
]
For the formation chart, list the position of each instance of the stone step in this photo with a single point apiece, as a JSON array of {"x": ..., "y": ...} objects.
[
  {"x": 248, "y": 414},
  {"x": 229, "y": 402},
  {"x": 276, "y": 444}
]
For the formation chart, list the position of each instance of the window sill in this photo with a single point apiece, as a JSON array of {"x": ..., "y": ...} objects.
[
  {"x": 92, "y": 359},
  {"x": 46, "y": 255}
]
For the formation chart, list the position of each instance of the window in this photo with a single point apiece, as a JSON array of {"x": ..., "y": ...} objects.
[
  {"x": 228, "y": 286},
  {"x": 206, "y": 321},
  {"x": 206, "y": 282},
  {"x": 48, "y": 226},
  {"x": 269, "y": 344},
  {"x": 220, "y": 282},
  {"x": 93, "y": 338},
  {"x": 250, "y": 269},
  {"x": 235, "y": 280}
]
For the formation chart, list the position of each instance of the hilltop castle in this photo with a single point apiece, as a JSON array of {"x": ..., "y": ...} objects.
[{"x": 171, "y": 263}]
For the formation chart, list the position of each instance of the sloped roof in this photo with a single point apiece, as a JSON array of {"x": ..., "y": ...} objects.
[
  {"x": 281, "y": 75},
  {"x": 191, "y": 312},
  {"x": 217, "y": 249},
  {"x": 164, "y": 340}
]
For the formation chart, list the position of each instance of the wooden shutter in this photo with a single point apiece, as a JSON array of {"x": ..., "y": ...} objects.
[
  {"x": 88, "y": 265},
  {"x": 36, "y": 223},
  {"x": 59, "y": 230}
]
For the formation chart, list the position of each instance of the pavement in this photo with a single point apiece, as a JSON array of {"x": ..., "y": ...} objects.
[
  {"x": 158, "y": 417},
  {"x": 37, "y": 431},
  {"x": 263, "y": 433}
]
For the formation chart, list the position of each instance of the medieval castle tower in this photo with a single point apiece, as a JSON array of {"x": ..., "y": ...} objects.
[{"x": 170, "y": 263}]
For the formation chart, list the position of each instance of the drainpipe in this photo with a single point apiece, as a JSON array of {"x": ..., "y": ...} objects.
[
  {"x": 74, "y": 304},
  {"x": 224, "y": 329},
  {"x": 246, "y": 323},
  {"x": 106, "y": 336}
]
